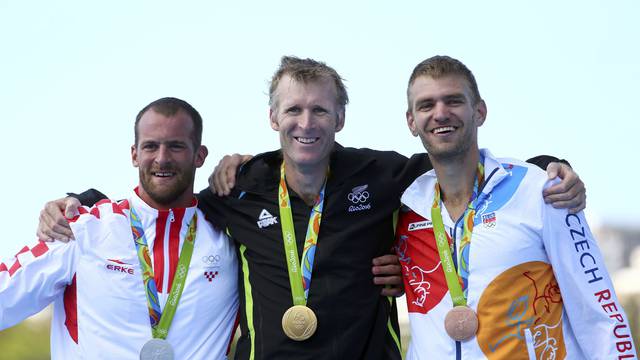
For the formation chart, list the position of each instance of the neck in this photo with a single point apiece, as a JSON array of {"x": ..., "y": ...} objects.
[
  {"x": 456, "y": 178},
  {"x": 184, "y": 200},
  {"x": 306, "y": 181}
]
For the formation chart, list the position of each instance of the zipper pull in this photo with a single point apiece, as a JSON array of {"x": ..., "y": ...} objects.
[{"x": 171, "y": 217}]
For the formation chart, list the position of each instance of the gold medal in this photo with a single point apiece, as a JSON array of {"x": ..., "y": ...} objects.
[
  {"x": 461, "y": 323},
  {"x": 299, "y": 322}
]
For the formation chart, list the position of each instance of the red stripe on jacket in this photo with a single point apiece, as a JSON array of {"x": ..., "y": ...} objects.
[
  {"x": 158, "y": 250},
  {"x": 70, "y": 301},
  {"x": 174, "y": 242}
]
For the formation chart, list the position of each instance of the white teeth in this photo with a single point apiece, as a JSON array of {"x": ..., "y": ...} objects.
[
  {"x": 163, "y": 174},
  {"x": 443, "y": 129},
  {"x": 306, "y": 140}
]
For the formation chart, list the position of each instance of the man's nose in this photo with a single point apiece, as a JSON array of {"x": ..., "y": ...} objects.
[
  {"x": 306, "y": 120},
  {"x": 440, "y": 111},
  {"x": 163, "y": 156}
]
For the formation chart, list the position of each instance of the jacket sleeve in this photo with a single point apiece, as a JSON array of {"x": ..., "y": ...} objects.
[
  {"x": 214, "y": 207},
  {"x": 89, "y": 197},
  {"x": 595, "y": 314},
  {"x": 542, "y": 161},
  {"x": 33, "y": 279}
]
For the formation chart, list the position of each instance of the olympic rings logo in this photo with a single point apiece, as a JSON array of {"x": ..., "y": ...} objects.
[
  {"x": 358, "y": 197},
  {"x": 211, "y": 259}
]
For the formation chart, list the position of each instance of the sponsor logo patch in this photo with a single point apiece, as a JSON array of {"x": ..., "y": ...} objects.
[
  {"x": 489, "y": 220},
  {"x": 119, "y": 266},
  {"x": 266, "y": 219},
  {"x": 359, "y": 197},
  {"x": 420, "y": 225}
]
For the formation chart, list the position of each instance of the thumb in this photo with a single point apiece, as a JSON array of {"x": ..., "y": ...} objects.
[
  {"x": 71, "y": 207},
  {"x": 552, "y": 170}
]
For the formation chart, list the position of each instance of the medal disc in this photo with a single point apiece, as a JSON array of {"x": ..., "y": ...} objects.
[
  {"x": 461, "y": 323},
  {"x": 299, "y": 322},
  {"x": 157, "y": 349}
]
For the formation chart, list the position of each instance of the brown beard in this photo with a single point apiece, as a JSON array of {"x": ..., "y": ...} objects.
[{"x": 167, "y": 195}]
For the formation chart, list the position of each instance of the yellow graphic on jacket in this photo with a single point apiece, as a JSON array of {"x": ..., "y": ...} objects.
[{"x": 520, "y": 312}]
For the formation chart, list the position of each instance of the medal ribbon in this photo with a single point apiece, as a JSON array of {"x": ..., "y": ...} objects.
[
  {"x": 457, "y": 282},
  {"x": 300, "y": 280},
  {"x": 161, "y": 321}
]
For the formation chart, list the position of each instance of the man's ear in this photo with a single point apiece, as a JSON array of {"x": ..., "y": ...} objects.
[
  {"x": 273, "y": 119},
  {"x": 411, "y": 123},
  {"x": 201, "y": 155},
  {"x": 340, "y": 120},
  {"x": 480, "y": 113},
  {"x": 134, "y": 155}
]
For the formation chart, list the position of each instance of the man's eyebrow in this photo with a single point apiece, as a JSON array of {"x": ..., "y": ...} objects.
[
  {"x": 454, "y": 96},
  {"x": 424, "y": 101}
]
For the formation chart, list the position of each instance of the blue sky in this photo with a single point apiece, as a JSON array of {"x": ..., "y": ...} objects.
[{"x": 559, "y": 78}]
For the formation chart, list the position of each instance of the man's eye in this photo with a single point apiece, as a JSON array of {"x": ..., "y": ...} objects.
[
  {"x": 177, "y": 146},
  {"x": 425, "y": 107},
  {"x": 319, "y": 111},
  {"x": 293, "y": 110},
  {"x": 149, "y": 146}
]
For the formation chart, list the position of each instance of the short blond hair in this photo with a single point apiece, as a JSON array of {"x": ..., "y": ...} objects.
[
  {"x": 306, "y": 71},
  {"x": 442, "y": 65}
]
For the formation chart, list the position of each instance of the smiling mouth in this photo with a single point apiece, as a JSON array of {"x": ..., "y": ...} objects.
[
  {"x": 443, "y": 130},
  {"x": 306, "y": 140},
  {"x": 163, "y": 174}
]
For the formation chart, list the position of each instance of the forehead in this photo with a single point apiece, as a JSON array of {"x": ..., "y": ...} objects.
[
  {"x": 154, "y": 126},
  {"x": 427, "y": 87},
  {"x": 320, "y": 91}
]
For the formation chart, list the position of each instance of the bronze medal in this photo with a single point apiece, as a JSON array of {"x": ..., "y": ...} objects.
[
  {"x": 299, "y": 322},
  {"x": 461, "y": 323}
]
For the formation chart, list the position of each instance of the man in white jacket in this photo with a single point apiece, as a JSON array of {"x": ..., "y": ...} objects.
[
  {"x": 142, "y": 271},
  {"x": 490, "y": 270}
]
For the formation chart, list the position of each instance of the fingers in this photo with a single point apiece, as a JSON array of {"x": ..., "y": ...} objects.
[
  {"x": 574, "y": 205},
  {"x": 52, "y": 224},
  {"x": 223, "y": 179},
  {"x": 570, "y": 193},
  {"x": 392, "y": 291},
  {"x": 393, "y": 285},
  {"x": 386, "y": 265},
  {"x": 389, "y": 259},
  {"x": 387, "y": 271},
  {"x": 569, "y": 186}
]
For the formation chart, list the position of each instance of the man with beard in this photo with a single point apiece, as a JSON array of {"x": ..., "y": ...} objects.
[
  {"x": 490, "y": 270},
  {"x": 139, "y": 268},
  {"x": 308, "y": 219}
]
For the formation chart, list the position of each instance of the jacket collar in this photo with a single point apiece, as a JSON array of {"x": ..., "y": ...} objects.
[
  {"x": 143, "y": 208},
  {"x": 262, "y": 173},
  {"x": 419, "y": 195}
]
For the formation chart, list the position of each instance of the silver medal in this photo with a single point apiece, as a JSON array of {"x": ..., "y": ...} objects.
[{"x": 157, "y": 349}]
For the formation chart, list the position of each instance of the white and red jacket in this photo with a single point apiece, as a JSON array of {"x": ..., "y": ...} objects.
[
  {"x": 537, "y": 279},
  {"x": 96, "y": 286}
]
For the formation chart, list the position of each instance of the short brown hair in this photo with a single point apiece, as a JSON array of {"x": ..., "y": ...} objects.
[
  {"x": 307, "y": 70},
  {"x": 169, "y": 106},
  {"x": 442, "y": 65}
]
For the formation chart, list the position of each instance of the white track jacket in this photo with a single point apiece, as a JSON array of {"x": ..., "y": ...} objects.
[
  {"x": 96, "y": 286},
  {"x": 537, "y": 278}
]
